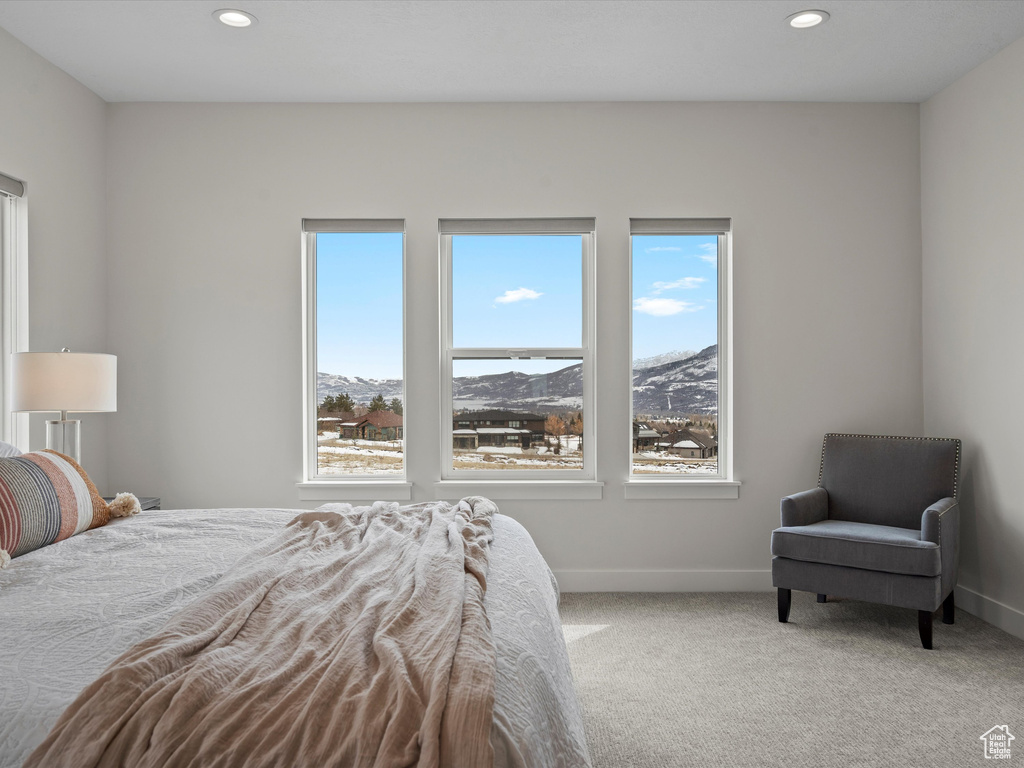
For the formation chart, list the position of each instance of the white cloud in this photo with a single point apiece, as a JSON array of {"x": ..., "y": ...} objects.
[
  {"x": 710, "y": 254},
  {"x": 662, "y": 307},
  {"x": 519, "y": 294},
  {"x": 685, "y": 282},
  {"x": 656, "y": 248}
]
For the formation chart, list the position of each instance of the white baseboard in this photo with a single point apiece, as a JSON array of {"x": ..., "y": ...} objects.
[
  {"x": 998, "y": 614},
  {"x": 664, "y": 581}
]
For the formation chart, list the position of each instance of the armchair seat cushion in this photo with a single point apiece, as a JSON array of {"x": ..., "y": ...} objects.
[{"x": 859, "y": 545}]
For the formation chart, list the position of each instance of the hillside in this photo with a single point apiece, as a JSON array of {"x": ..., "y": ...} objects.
[
  {"x": 676, "y": 387},
  {"x": 683, "y": 386},
  {"x": 664, "y": 357},
  {"x": 360, "y": 390}
]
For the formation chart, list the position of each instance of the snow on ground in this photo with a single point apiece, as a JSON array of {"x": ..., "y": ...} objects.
[
  {"x": 358, "y": 457},
  {"x": 498, "y": 461},
  {"x": 357, "y": 468},
  {"x": 358, "y": 450},
  {"x": 378, "y": 457},
  {"x": 655, "y": 463}
]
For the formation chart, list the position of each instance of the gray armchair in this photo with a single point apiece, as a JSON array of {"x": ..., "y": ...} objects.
[{"x": 882, "y": 526}]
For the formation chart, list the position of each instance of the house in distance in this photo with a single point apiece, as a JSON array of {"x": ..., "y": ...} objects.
[
  {"x": 496, "y": 429},
  {"x": 375, "y": 425}
]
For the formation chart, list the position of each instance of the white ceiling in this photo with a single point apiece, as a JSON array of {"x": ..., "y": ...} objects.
[{"x": 514, "y": 50}]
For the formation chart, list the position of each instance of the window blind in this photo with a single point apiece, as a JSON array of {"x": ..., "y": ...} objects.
[
  {"x": 679, "y": 226},
  {"x": 567, "y": 226},
  {"x": 11, "y": 186},
  {"x": 353, "y": 225}
]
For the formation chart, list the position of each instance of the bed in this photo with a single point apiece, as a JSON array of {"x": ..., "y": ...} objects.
[{"x": 68, "y": 609}]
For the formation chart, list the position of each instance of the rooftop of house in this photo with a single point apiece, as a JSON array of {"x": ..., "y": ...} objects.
[
  {"x": 381, "y": 419},
  {"x": 679, "y": 437},
  {"x": 497, "y": 415},
  {"x": 336, "y": 416}
]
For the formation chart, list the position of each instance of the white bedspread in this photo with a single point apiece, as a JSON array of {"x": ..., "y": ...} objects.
[{"x": 69, "y": 609}]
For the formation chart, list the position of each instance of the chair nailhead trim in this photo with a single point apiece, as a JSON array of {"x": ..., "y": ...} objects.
[{"x": 956, "y": 464}]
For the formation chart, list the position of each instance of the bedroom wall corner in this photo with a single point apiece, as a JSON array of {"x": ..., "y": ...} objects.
[
  {"x": 972, "y": 283},
  {"x": 53, "y": 136}
]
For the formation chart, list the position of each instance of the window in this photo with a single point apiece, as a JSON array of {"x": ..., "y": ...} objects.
[
  {"x": 14, "y": 298},
  {"x": 354, "y": 352},
  {"x": 517, "y": 371},
  {"x": 680, "y": 344}
]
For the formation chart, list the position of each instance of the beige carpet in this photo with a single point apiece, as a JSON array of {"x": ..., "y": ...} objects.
[{"x": 713, "y": 679}]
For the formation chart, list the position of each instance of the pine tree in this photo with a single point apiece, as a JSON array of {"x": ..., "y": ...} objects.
[
  {"x": 378, "y": 404},
  {"x": 396, "y": 406},
  {"x": 337, "y": 403}
]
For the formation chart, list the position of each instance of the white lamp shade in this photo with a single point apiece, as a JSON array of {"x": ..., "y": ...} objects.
[{"x": 63, "y": 381}]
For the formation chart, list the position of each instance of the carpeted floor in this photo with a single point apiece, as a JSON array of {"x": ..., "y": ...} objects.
[{"x": 713, "y": 679}]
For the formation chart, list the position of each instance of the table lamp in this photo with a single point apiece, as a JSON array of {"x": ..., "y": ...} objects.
[{"x": 64, "y": 381}]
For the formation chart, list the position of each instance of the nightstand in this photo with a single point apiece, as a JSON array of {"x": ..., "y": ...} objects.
[{"x": 146, "y": 502}]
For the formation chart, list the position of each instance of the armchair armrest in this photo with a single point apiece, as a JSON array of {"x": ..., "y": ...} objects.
[
  {"x": 940, "y": 524},
  {"x": 805, "y": 507},
  {"x": 943, "y": 514}
]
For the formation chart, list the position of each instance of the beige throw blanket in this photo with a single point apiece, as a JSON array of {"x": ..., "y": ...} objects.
[{"x": 355, "y": 637}]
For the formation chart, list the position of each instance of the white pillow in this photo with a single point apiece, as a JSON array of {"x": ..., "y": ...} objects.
[{"x": 6, "y": 449}]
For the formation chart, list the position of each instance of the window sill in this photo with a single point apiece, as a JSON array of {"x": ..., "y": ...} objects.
[
  {"x": 682, "y": 489},
  {"x": 520, "y": 489},
  {"x": 359, "y": 490}
]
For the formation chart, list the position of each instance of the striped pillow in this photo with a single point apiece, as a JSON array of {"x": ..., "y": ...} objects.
[{"x": 45, "y": 496}]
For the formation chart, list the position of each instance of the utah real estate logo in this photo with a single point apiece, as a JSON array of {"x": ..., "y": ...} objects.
[{"x": 997, "y": 742}]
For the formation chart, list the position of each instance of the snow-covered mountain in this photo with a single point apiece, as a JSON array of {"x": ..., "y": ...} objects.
[
  {"x": 683, "y": 385},
  {"x": 558, "y": 391},
  {"x": 360, "y": 390},
  {"x": 664, "y": 357}
]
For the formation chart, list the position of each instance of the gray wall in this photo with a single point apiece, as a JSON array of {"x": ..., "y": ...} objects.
[
  {"x": 203, "y": 220},
  {"x": 973, "y": 232},
  {"x": 52, "y": 136}
]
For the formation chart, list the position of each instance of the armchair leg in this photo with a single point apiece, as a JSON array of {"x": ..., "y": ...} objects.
[
  {"x": 924, "y": 627},
  {"x": 948, "y": 609},
  {"x": 785, "y": 600},
  {"x": 822, "y": 598}
]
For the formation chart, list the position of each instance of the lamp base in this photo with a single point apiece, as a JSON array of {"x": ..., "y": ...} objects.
[{"x": 65, "y": 436}]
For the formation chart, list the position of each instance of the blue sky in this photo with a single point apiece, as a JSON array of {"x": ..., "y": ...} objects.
[
  {"x": 511, "y": 291},
  {"x": 508, "y": 292},
  {"x": 359, "y": 304},
  {"x": 517, "y": 291},
  {"x": 675, "y": 293}
]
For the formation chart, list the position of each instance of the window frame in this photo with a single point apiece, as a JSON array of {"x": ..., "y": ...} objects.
[
  {"x": 313, "y": 485},
  {"x": 586, "y": 229},
  {"x": 14, "y": 317},
  {"x": 724, "y": 483}
]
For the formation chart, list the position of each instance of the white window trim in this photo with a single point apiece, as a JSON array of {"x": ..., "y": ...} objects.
[
  {"x": 14, "y": 427},
  {"x": 569, "y": 483},
  {"x": 724, "y": 485},
  {"x": 314, "y": 487}
]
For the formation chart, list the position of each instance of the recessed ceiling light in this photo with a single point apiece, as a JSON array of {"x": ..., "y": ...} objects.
[
  {"x": 805, "y": 19},
  {"x": 234, "y": 18}
]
